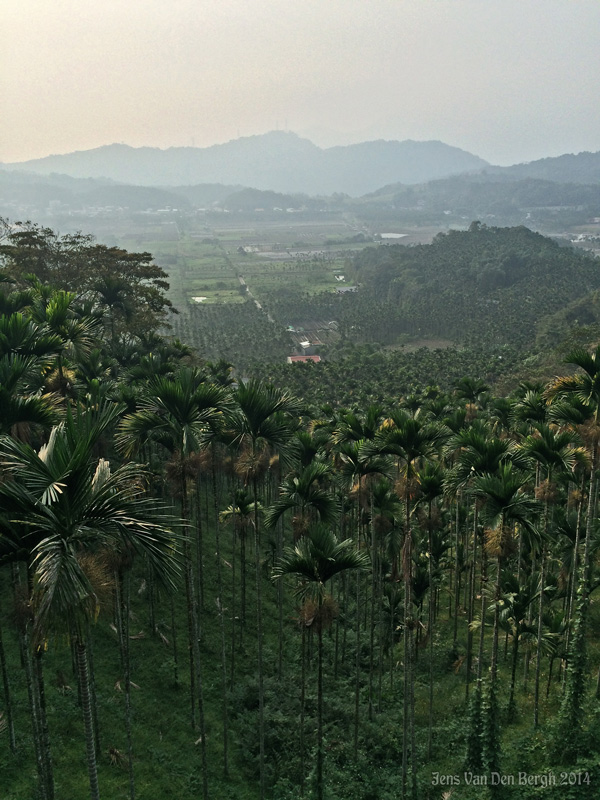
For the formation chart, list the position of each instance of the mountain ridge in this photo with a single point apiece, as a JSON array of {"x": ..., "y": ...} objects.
[{"x": 277, "y": 161}]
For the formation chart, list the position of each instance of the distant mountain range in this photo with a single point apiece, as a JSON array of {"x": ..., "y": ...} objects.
[
  {"x": 462, "y": 188},
  {"x": 277, "y": 161}
]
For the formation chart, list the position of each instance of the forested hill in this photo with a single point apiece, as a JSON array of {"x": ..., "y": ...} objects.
[
  {"x": 494, "y": 285},
  {"x": 503, "y": 199}
]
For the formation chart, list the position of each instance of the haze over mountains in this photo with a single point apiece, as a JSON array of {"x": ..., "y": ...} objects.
[
  {"x": 387, "y": 182},
  {"x": 279, "y": 161}
]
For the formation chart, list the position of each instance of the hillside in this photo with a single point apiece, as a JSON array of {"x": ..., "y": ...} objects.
[
  {"x": 212, "y": 588},
  {"x": 31, "y": 195},
  {"x": 494, "y": 285},
  {"x": 568, "y": 168},
  {"x": 488, "y": 196},
  {"x": 495, "y": 302}
]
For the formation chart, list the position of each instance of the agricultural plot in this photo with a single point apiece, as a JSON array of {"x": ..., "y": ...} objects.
[
  {"x": 235, "y": 283},
  {"x": 292, "y": 231},
  {"x": 266, "y": 275},
  {"x": 199, "y": 271},
  {"x": 307, "y": 258}
]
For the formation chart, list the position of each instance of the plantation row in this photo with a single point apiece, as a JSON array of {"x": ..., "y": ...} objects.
[{"x": 222, "y": 589}]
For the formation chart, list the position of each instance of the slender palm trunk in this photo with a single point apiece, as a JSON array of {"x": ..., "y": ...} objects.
[
  {"x": 457, "y": 573},
  {"x": 221, "y": 611},
  {"x": 243, "y": 533},
  {"x": 471, "y": 601},
  {"x": 280, "y": 605},
  {"x": 34, "y": 709},
  {"x": 44, "y": 730},
  {"x": 574, "y": 569},
  {"x": 127, "y": 675},
  {"x": 513, "y": 673},
  {"x": 430, "y": 635},
  {"x": 259, "y": 631},
  {"x": 92, "y": 673},
  {"x": 190, "y": 600},
  {"x": 589, "y": 523},
  {"x": 407, "y": 721},
  {"x": 233, "y": 605},
  {"x": 372, "y": 609},
  {"x": 174, "y": 637},
  {"x": 200, "y": 695},
  {"x": 199, "y": 546},
  {"x": 484, "y": 591},
  {"x": 196, "y": 689},
  {"x": 90, "y": 744},
  {"x": 7, "y": 696},
  {"x": 497, "y": 595},
  {"x": 380, "y": 635},
  {"x": 357, "y": 665},
  {"x": 549, "y": 682},
  {"x": 320, "y": 707},
  {"x": 302, "y": 710},
  {"x": 538, "y": 663}
]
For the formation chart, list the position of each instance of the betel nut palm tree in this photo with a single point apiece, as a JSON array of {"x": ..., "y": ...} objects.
[
  {"x": 264, "y": 420},
  {"x": 556, "y": 451},
  {"x": 176, "y": 412},
  {"x": 505, "y": 504},
  {"x": 315, "y": 559},
  {"x": 409, "y": 440},
  {"x": 62, "y": 508},
  {"x": 584, "y": 388},
  {"x": 27, "y": 351},
  {"x": 304, "y": 493}
]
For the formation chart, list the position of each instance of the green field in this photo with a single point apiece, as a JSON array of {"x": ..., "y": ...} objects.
[
  {"x": 208, "y": 262},
  {"x": 273, "y": 269}
]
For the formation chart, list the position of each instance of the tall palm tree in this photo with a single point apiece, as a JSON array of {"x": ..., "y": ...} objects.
[
  {"x": 431, "y": 483},
  {"x": 27, "y": 350},
  {"x": 305, "y": 493},
  {"x": 114, "y": 293},
  {"x": 76, "y": 330},
  {"x": 505, "y": 504},
  {"x": 176, "y": 414},
  {"x": 360, "y": 466},
  {"x": 316, "y": 558},
  {"x": 241, "y": 511},
  {"x": 410, "y": 441},
  {"x": 312, "y": 445},
  {"x": 476, "y": 452},
  {"x": 354, "y": 427},
  {"x": 264, "y": 420},
  {"x": 516, "y": 598},
  {"x": 556, "y": 452},
  {"x": 584, "y": 387},
  {"x": 473, "y": 390},
  {"x": 61, "y": 505}
]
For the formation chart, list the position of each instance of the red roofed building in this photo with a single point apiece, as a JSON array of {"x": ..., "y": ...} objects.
[{"x": 303, "y": 359}]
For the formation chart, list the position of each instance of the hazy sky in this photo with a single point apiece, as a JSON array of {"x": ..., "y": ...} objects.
[{"x": 509, "y": 80}]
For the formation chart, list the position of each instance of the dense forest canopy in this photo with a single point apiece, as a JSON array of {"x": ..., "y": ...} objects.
[
  {"x": 491, "y": 284},
  {"x": 130, "y": 287}
]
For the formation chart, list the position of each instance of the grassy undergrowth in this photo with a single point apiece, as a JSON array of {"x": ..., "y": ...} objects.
[{"x": 167, "y": 759}]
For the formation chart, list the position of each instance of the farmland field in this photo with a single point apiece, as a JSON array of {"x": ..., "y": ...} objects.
[{"x": 236, "y": 282}]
